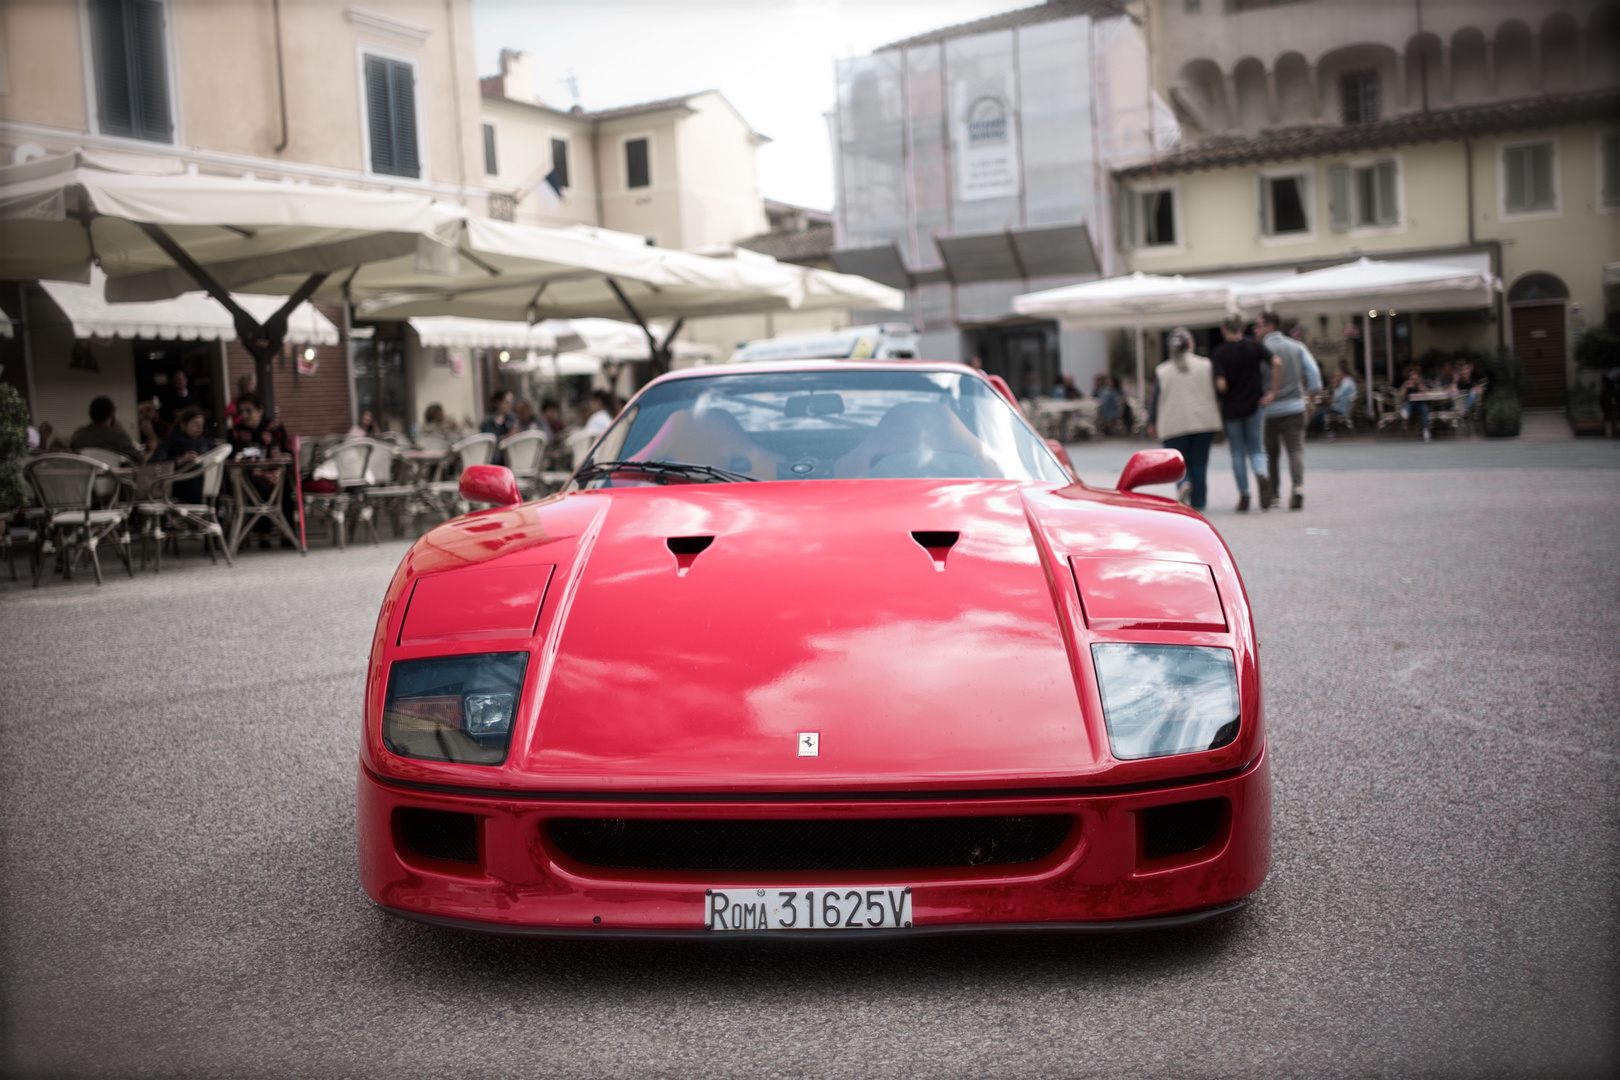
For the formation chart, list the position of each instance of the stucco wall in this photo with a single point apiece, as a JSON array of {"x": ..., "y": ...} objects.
[
  {"x": 654, "y": 210},
  {"x": 523, "y": 135},
  {"x": 719, "y": 197}
]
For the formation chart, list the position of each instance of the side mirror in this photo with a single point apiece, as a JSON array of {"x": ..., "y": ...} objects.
[
  {"x": 1146, "y": 467},
  {"x": 495, "y": 484},
  {"x": 1063, "y": 458}
]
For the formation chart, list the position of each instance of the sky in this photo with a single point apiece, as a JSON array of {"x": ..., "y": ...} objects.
[{"x": 773, "y": 59}]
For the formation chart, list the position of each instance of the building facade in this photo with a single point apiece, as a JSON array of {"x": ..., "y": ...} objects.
[
  {"x": 973, "y": 164},
  {"x": 322, "y": 93},
  {"x": 1316, "y": 131}
]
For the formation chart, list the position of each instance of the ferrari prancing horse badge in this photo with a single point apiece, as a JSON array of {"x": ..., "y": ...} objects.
[{"x": 809, "y": 744}]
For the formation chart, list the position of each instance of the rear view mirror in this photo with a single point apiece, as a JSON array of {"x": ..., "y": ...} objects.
[
  {"x": 1161, "y": 466},
  {"x": 491, "y": 484}
]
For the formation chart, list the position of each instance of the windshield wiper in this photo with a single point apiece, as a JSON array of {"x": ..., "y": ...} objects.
[{"x": 684, "y": 469}]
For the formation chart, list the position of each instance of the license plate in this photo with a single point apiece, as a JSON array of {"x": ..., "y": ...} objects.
[{"x": 864, "y": 908}]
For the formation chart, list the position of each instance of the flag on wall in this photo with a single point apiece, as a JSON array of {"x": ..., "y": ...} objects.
[{"x": 551, "y": 188}]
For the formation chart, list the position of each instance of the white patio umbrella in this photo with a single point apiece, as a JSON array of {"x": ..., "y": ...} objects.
[
  {"x": 453, "y": 332},
  {"x": 1367, "y": 285},
  {"x": 159, "y": 231},
  {"x": 1138, "y": 300},
  {"x": 192, "y": 316},
  {"x": 512, "y": 272}
]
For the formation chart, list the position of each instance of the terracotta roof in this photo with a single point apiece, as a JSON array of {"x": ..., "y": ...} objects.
[
  {"x": 1048, "y": 12},
  {"x": 643, "y": 107},
  {"x": 1287, "y": 144},
  {"x": 805, "y": 245}
]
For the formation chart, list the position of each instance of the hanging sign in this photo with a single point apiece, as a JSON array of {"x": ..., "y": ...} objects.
[{"x": 986, "y": 137}]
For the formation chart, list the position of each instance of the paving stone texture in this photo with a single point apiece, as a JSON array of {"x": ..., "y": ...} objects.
[{"x": 1441, "y": 647}]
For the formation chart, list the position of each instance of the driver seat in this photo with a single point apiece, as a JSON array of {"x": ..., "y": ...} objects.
[{"x": 922, "y": 430}]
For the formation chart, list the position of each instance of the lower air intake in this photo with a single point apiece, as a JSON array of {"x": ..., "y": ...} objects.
[
  {"x": 796, "y": 845},
  {"x": 438, "y": 834},
  {"x": 1180, "y": 827}
]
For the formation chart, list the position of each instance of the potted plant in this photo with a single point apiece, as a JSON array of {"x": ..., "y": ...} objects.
[
  {"x": 1503, "y": 408},
  {"x": 13, "y": 448},
  {"x": 1594, "y": 400}
]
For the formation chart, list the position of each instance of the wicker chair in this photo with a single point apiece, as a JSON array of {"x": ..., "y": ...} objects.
[
  {"x": 443, "y": 491},
  {"x": 522, "y": 451},
  {"x": 74, "y": 519},
  {"x": 162, "y": 518}
]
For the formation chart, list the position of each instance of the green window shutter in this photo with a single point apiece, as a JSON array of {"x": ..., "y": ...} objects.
[
  {"x": 1609, "y": 150},
  {"x": 489, "y": 150},
  {"x": 378, "y": 118},
  {"x": 1127, "y": 218},
  {"x": 1263, "y": 198},
  {"x": 149, "y": 71},
  {"x": 1539, "y": 161},
  {"x": 1516, "y": 180},
  {"x": 1389, "y": 210},
  {"x": 131, "y": 71},
  {"x": 559, "y": 160},
  {"x": 115, "y": 109},
  {"x": 1339, "y": 197},
  {"x": 402, "y": 92}
]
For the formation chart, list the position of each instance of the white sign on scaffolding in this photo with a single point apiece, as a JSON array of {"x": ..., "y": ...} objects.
[{"x": 986, "y": 137}]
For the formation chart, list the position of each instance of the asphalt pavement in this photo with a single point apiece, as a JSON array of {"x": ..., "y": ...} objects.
[{"x": 1440, "y": 636}]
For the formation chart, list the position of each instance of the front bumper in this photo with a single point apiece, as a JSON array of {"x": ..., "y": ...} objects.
[{"x": 1099, "y": 878}]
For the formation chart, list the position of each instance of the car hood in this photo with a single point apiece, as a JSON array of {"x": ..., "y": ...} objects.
[{"x": 814, "y": 610}]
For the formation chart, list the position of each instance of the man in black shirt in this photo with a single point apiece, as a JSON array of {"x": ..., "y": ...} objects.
[{"x": 1242, "y": 377}]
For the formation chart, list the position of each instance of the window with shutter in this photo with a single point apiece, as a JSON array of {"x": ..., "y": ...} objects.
[
  {"x": 1609, "y": 153},
  {"x": 1389, "y": 209},
  {"x": 636, "y": 171},
  {"x": 559, "y": 160},
  {"x": 1158, "y": 218},
  {"x": 1339, "y": 197},
  {"x": 1282, "y": 205},
  {"x": 489, "y": 150},
  {"x": 1527, "y": 179},
  {"x": 131, "y": 69},
  {"x": 391, "y": 116}
]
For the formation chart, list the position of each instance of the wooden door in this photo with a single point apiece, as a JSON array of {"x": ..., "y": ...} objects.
[{"x": 1538, "y": 339}]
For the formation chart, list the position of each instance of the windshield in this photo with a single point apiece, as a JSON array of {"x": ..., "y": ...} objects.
[{"x": 835, "y": 424}]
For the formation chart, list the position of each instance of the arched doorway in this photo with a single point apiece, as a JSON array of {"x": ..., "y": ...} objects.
[{"x": 1539, "y": 305}]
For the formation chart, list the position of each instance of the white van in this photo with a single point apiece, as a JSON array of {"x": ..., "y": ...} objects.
[{"x": 884, "y": 341}]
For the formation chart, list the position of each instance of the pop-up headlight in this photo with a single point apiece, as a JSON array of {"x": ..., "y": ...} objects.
[
  {"x": 454, "y": 708},
  {"x": 1166, "y": 699}
]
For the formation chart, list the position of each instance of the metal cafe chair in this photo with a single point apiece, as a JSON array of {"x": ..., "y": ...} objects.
[
  {"x": 352, "y": 459},
  {"x": 522, "y": 451},
  {"x": 165, "y": 519},
  {"x": 382, "y": 492},
  {"x": 74, "y": 521},
  {"x": 443, "y": 491}
]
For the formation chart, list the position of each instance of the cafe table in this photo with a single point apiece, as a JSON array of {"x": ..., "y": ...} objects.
[{"x": 251, "y": 505}]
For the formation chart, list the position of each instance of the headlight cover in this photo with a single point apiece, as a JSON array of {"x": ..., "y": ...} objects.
[
  {"x": 453, "y": 708},
  {"x": 1160, "y": 700}
]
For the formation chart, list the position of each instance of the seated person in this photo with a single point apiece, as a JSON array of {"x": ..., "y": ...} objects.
[
  {"x": 104, "y": 432},
  {"x": 1413, "y": 382},
  {"x": 255, "y": 430},
  {"x": 1344, "y": 397},
  {"x": 917, "y": 438},
  {"x": 602, "y": 415},
  {"x": 184, "y": 444},
  {"x": 151, "y": 427},
  {"x": 1468, "y": 385},
  {"x": 435, "y": 423}
]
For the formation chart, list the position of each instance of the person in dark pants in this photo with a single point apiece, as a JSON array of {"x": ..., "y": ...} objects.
[
  {"x": 254, "y": 431},
  {"x": 184, "y": 444},
  {"x": 1243, "y": 378},
  {"x": 1184, "y": 413},
  {"x": 500, "y": 422},
  {"x": 1293, "y": 373}
]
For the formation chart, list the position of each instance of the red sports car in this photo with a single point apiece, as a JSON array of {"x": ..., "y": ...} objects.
[{"x": 833, "y": 647}]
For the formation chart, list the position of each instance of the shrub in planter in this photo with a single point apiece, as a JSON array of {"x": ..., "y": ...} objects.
[
  {"x": 13, "y": 447},
  {"x": 1598, "y": 349},
  {"x": 1503, "y": 413}
]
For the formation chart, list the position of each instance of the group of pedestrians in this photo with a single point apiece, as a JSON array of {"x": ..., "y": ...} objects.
[{"x": 1254, "y": 388}]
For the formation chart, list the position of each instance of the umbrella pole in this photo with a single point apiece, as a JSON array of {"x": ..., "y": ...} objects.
[
  {"x": 1389, "y": 344},
  {"x": 1366, "y": 355},
  {"x": 1141, "y": 368}
]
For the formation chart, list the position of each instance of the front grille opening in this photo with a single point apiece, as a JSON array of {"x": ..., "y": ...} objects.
[
  {"x": 438, "y": 834},
  {"x": 1180, "y": 827},
  {"x": 815, "y": 844}
]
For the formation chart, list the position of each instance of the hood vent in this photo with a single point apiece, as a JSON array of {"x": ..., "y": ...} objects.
[
  {"x": 937, "y": 544},
  {"x": 686, "y": 549}
]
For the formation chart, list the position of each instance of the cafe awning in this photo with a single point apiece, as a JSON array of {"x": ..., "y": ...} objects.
[
  {"x": 1144, "y": 300},
  {"x": 452, "y": 332},
  {"x": 1370, "y": 284},
  {"x": 189, "y": 317}
]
